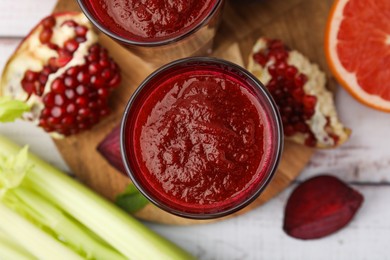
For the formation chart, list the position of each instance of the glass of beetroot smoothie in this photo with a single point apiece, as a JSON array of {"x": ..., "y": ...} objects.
[
  {"x": 158, "y": 31},
  {"x": 201, "y": 138}
]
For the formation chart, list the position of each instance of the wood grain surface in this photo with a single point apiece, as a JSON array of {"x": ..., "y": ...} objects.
[{"x": 290, "y": 21}]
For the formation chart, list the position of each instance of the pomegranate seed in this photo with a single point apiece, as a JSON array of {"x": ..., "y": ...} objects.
[
  {"x": 46, "y": 70},
  {"x": 309, "y": 113},
  {"x": 39, "y": 88},
  {"x": 301, "y": 127},
  {"x": 298, "y": 94},
  {"x": 300, "y": 80},
  {"x": 97, "y": 81},
  {"x": 94, "y": 68},
  {"x": 59, "y": 99},
  {"x": 71, "y": 109},
  {"x": 58, "y": 86},
  {"x": 81, "y": 31},
  {"x": 281, "y": 68},
  {"x": 272, "y": 70},
  {"x": 45, "y": 35},
  {"x": 53, "y": 64},
  {"x": 53, "y": 46},
  {"x": 103, "y": 93},
  {"x": 291, "y": 71},
  {"x": 70, "y": 94},
  {"x": 64, "y": 56},
  {"x": 93, "y": 104},
  {"x": 68, "y": 121},
  {"x": 70, "y": 82},
  {"x": 56, "y": 112},
  {"x": 104, "y": 63},
  {"x": 48, "y": 99},
  {"x": 94, "y": 49},
  {"x": 107, "y": 74},
  {"x": 272, "y": 85},
  {"x": 82, "y": 102},
  {"x": 49, "y": 22},
  {"x": 73, "y": 71},
  {"x": 81, "y": 90},
  {"x": 71, "y": 45},
  {"x": 92, "y": 58},
  {"x": 114, "y": 82},
  {"x": 309, "y": 101},
  {"x": 281, "y": 55},
  {"x": 260, "y": 58},
  {"x": 84, "y": 112},
  {"x": 69, "y": 23},
  {"x": 80, "y": 39},
  {"x": 43, "y": 123},
  {"x": 114, "y": 66},
  {"x": 52, "y": 121},
  {"x": 46, "y": 112},
  {"x": 43, "y": 79},
  {"x": 31, "y": 75},
  {"x": 29, "y": 87},
  {"x": 83, "y": 77}
]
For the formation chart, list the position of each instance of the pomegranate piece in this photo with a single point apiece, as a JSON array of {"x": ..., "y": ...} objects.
[
  {"x": 65, "y": 96},
  {"x": 319, "y": 207},
  {"x": 298, "y": 87},
  {"x": 110, "y": 149}
]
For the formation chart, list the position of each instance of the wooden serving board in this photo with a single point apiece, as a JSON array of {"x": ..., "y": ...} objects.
[{"x": 299, "y": 23}]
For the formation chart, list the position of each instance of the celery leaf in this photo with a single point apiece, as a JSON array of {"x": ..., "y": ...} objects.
[
  {"x": 131, "y": 200},
  {"x": 11, "y": 109}
]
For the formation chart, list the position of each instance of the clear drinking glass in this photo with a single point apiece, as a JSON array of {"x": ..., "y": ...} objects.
[
  {"x": 261, "y": 98},
  {"x": 196, "y": 41}
]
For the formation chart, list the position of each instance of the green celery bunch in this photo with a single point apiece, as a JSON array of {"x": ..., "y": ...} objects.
[{"x": 51, "y": 215}]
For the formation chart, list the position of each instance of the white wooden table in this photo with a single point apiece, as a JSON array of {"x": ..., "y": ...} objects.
[{"x": 364, "y": 162}]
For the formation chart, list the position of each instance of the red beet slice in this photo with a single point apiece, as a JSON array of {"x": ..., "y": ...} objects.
[
  {"x": 110, "y": 149},
  {"x": 319, "y": 207}
]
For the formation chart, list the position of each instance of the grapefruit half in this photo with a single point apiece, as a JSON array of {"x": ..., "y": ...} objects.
[{"x": 357, "y": 46}]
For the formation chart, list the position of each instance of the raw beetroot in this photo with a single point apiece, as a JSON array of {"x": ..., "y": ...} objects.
[
  {"x": 110, "y": 149},
  {"x": 319, "y": 207}
]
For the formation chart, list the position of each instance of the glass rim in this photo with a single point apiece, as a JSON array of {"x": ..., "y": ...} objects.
[
  {"x": 275, "y": 157},
  {"x": 123, "y": 40}
]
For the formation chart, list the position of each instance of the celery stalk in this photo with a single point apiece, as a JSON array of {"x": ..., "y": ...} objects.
[
  {"x": 10, "y": 249},
  {"x": 69, "y": 231},
  {"x": 121, "y": 231},
  {"x": 37, "y": 242}
]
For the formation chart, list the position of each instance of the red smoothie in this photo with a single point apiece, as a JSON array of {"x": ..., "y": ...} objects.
[
  {"x": 200, "y": 139},
  {"x": 150, "y": 20}
]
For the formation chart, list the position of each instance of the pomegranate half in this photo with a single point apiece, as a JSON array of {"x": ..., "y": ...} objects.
[{"x": 63, "y": 74}]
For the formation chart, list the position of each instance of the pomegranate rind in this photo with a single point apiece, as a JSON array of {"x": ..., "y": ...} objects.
[
  {"x": 347, "y": 79},
  {"x": 315, "y": 86},
  {"x": 31, "y": 54},
  {"x": 319, "y": 207}
]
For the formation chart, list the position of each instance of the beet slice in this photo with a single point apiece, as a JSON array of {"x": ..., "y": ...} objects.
[
  {"x": 110, "y": 149},
  {"x": 319, "y": 207}
]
